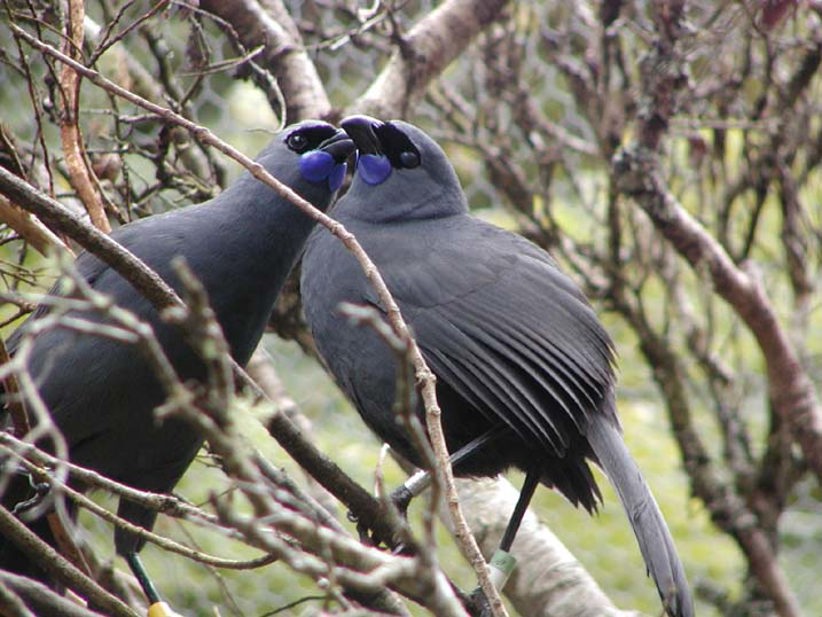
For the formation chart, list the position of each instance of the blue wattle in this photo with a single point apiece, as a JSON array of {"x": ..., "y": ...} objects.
[
  {"x": 316, "y": 165},
  {"x": 374, "y": 168},
  {"x": 335, "y": 179}
]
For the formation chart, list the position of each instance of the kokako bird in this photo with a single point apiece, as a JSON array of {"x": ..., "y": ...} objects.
[
  {"x": 241, "y": 246},
  {"x": 525, "y": 370}
]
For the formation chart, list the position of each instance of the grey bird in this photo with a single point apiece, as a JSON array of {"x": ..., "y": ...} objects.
[
  {"x": 241, "y": 245},
  {"x": 525, "y": 370}
]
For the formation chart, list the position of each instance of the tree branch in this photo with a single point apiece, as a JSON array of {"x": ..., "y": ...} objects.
[
  {"x": 267, "y": 23},
  {"x": 548, "y": 580},
  {"x": 790, "y": 389},
  {"x": 55, "y": 564},
  {"x": 30, "y": 228},
  {"x": 424, "y": 53},
  {"x": 79, "y": 173},
  {"x": 41, "y": 599}
]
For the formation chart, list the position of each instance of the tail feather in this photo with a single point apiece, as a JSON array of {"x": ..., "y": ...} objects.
[{"x": 652, "y": 534}]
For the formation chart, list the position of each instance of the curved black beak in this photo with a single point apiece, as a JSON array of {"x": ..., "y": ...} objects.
[
  {"x": 340, "y": 146},
  {"x": 362, "y": 131}
]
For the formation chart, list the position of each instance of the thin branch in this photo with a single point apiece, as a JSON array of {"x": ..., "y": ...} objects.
[
  {"x": 159, "y": 502},
  {"x": 268, "y": 24},
  {"x": 156, "y": 539},
  {"x": 56, "y": 565},
  {"x": 147, "y": 282},
  {"x": 41, "y": 599},
  {"x": 79, "y": 172},
  {"x": 11, "y": 605}
]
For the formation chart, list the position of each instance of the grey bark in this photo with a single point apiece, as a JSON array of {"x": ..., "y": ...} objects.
[{"x": 548, "y": 580}]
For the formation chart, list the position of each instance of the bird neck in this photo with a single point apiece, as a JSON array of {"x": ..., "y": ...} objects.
[
  {"x": 403, "y": 202},
  {"x": 252, "y": 197},
  {"x": 269, "y": 228}
]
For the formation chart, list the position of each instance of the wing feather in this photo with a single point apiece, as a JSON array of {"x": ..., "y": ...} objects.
[
  {"x": 507, "y": 331},
  {"x": 473, "y": 367},
  {"x": 539, "y": 356}
]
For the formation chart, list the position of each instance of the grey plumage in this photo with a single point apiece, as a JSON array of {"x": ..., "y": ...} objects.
[
  {"x": 241, "y": 246},
  {"x": 514, "y": 343}
]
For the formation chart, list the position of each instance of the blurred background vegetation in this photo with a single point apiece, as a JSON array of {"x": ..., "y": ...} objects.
[{"x": 532, "y": 114}]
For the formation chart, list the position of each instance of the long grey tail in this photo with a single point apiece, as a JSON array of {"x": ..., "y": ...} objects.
[{"x": 650, "y": 529}]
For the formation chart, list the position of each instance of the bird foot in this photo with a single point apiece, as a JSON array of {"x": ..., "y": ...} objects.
[
  {"x": 370, "y": 537},
  {"x": 41, "y": 492},
  {"x": 400, "y": 499},
  {"x": 477, "y": 604}
]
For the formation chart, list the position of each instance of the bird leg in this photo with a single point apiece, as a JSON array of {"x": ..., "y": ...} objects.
[
  {"x": 401, "y": 497},
  {"x": 138, "y": 569},
  {"x": 421, "y": 480},
  {"x": 156, "y": 608},
  {"x": 525, "y": 495},
  {"x": 502, "y": 563}
]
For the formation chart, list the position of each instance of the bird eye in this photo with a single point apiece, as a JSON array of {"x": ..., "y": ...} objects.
[
  {"x": 409, "y": 159},
  {"x": 297, "y": 142}
]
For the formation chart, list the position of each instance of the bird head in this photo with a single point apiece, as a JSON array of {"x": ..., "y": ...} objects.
[
  {"x": 401, "y": 172},
  {"x": 310, "y": 157}
]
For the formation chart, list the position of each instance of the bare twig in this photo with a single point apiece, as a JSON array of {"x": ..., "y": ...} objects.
[
  {"x": 41, "y": 599},
  {"x": 79, "y": 173},
  {"x": 54, "y": 563}
]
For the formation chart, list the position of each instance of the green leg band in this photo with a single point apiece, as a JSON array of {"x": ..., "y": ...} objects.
[{"x": 502, "y": 565}]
